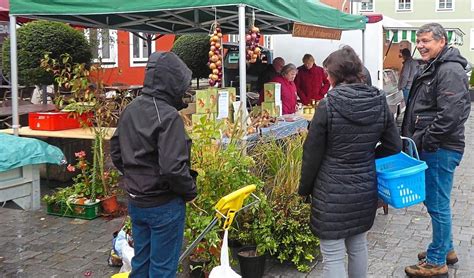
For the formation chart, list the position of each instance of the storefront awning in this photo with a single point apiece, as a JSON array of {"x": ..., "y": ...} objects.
[{"x": 397, "y": 34}]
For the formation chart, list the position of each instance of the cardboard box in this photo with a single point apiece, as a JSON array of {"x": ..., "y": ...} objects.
[
  {"x": 270, "y": 108},
  {"x": 272, "y": 92},
  {"x": 206, "y": 101},
  {"x": 213, "y": 94}
]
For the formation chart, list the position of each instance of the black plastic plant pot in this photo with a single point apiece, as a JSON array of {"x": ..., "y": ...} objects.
[
  {"x": 197, "y": 270},
  {"x": 251, "y": 266}
]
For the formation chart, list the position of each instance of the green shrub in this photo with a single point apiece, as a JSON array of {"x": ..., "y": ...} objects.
[
  {"x": 193, "y": 50},
  {"x": 279, "y": 166},
  {"x": 37, "y": 38}
]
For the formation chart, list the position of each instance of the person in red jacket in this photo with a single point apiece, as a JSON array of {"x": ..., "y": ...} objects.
[
  {"x": 288, "y": 88},
  {"x": 311, "y": 81}
]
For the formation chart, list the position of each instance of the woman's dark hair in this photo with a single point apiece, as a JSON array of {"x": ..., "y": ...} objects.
[{"x": 344, "y": 66}]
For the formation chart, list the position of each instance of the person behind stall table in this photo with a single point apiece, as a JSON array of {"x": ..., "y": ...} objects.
[
  {"x": 338, "y": 166},
  {"x": 437, "y": 109},
  {"x": 409, "y": 68},
  {"x": 288, "y": 88},
  {"x": 268, "y": 74},
  {"x": 152, "y": 150},
  {"x": 311, "y": 81}
]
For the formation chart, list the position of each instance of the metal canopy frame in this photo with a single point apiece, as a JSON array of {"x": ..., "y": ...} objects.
[
  {"x": 233, "y": 17},
  {"x": 177, "y": 21}
]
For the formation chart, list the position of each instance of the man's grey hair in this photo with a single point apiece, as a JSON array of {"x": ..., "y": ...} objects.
[
  {"x": 437, "y": 30},
  {"x": 287, "y": 68}
]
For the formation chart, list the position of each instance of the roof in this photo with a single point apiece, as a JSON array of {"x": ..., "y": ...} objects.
[{"x": 187, "y": 16}]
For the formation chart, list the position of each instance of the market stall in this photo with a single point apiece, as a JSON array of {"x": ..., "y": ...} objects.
[{"x": 179, "y": 17}]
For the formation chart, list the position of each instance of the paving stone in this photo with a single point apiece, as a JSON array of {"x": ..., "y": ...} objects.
[{"x": 64, "y": 247}]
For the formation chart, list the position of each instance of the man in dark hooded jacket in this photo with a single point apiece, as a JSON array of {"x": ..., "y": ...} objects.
[
  {"x": 152, "y": 150},
  {"x": 437, "y": 108}
]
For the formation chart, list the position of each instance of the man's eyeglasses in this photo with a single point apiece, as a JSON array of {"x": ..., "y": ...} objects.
[{"x": 423, "y": 42}]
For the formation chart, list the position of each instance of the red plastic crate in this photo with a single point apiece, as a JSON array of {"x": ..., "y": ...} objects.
[{"x": 57, "y": 120}]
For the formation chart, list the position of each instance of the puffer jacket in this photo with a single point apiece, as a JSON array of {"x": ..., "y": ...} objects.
[
  {"x": 339, "y": 153},
  {"x": 439, "y": 104},
  {"x": 150, "y": 146}
]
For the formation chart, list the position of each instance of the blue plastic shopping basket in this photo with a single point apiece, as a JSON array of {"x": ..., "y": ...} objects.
[{"x": 401, "y": 178}]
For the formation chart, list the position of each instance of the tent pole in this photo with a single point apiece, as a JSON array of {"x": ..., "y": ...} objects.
[
  {"x": 242, "y": 65},
  {"x": 14, "y": 75}
]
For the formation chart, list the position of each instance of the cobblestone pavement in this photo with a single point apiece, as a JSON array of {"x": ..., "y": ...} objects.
[{"x": 33, "y": 244}]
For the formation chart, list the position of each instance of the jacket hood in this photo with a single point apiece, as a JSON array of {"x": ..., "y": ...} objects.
[
  {"x": 451, "y": 54},
  {"x": 167, "y": 78},
  {"x": 358, "y": 103}
]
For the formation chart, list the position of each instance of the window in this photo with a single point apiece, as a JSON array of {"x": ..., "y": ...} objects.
[
  {"x": 367, "y": 6},
  {"x": 139, "y": 50},
  {"x": 471, "y": 37},
  {"x": 404, "y": 5},
  {"x": 445, "y": 5},
  {"x": 104, "y": 46}
]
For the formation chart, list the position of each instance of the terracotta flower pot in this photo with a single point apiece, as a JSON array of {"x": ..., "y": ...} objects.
[{"x": 110, "y": 204}]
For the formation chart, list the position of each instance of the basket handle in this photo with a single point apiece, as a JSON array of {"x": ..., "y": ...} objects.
[{"x": 412, "y": 151}]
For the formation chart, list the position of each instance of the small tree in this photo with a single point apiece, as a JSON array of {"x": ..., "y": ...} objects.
[
  {"x": 37, "y": 38},
  {"x": 193, "y": 50}
]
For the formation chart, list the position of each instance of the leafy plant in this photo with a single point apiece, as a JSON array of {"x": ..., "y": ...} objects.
[
  {"x": 37, "y": 38},
  {"x": 279, "y": 165},
  {"x": 256, "y": 227},
  {"x": 88, "y": 96},
  {"x": 223, "y": 168}
]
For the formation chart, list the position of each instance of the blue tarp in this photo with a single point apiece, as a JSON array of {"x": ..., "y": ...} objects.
[{"x": 20, "y": 151}]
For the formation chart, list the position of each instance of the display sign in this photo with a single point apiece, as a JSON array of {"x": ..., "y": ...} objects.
[{"x": 309, "y": 31}]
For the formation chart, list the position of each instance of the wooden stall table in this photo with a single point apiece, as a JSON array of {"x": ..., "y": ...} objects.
[{"x": 75, "y": 133}]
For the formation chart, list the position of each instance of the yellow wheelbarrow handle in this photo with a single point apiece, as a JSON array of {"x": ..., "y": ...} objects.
[
  {"x": 230, "y": 204},
  {"x": 226, "y": 207}
]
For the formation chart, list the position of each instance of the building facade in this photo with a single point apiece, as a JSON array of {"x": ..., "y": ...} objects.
[{"x": 449, "y": 13}]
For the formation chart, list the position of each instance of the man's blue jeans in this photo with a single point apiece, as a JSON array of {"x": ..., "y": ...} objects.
[
  {"x": 406, "y": 91},
  {"x": 158, "y": 235},
  {"x": 439, "y": 182}
]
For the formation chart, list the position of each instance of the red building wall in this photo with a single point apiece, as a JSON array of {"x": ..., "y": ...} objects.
[{"x": 124, "y": 73}]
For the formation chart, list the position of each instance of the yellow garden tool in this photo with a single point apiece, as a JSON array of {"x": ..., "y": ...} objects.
[{"x": 226, "y": 207}]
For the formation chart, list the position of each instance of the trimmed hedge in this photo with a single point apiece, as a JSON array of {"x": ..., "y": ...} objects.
[
  {"x": 37, "y": 38},
  {"x": 193, "y": 50}
]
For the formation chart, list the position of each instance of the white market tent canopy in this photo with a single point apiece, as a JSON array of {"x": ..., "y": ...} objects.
[{"x": 178, "y": 17}]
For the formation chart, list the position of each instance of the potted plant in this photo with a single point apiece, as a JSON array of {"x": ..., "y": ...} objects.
[
  {"x": 279, "y": 165},
  {"x": 88, "y": 96},
  {"x": 222, "y": 168},
  {"x": 255, "y": 232}
]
